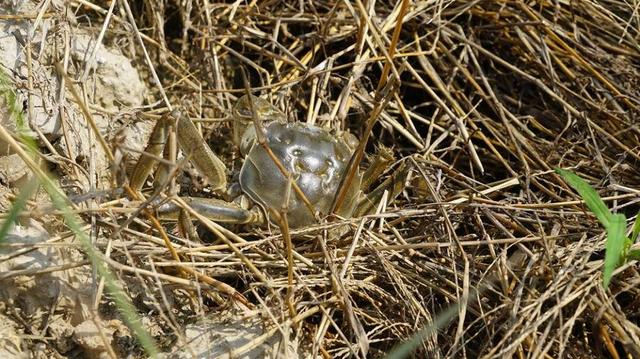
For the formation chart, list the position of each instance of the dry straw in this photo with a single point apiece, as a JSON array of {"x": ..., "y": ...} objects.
[{"x": 482, "y": 100}]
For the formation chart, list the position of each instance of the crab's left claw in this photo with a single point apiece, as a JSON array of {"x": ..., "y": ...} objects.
[{"x": 191, "y": 143}]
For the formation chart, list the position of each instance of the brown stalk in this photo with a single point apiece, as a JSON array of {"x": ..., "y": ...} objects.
[{"x": 381, "y": 97}]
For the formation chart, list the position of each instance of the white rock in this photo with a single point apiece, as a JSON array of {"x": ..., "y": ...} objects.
[
  {"x": 12, "y": 169},
  {"x": 10, "y": 340},
  {"x": 218, "y": 335},
  {"x": 36, "y": 293},
  {"x": 87, "y": 335},
  {"x": 114, "y": 83},
  {"x": 28, "y": 292},
  {"x": 13, "y": 57}
]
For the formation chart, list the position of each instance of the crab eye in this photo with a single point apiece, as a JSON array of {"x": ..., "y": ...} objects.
[{"x": 297, "y": 152}]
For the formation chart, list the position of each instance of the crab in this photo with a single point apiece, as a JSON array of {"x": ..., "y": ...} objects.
[{"x": 300, "y": 162}]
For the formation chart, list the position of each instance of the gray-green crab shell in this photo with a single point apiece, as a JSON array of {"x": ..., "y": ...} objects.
[{"x": 317, "y": 160}]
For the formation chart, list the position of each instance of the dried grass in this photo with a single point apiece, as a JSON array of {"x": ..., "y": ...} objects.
[{"x": 485, "y": 99}]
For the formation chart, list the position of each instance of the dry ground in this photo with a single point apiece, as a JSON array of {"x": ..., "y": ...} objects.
[{"x": 479, "y": 99}]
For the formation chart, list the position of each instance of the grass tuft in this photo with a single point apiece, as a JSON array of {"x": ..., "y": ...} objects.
[{"x": 617, "y": 244}]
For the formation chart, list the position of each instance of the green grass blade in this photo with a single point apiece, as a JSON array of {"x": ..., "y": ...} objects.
[
  {"x": 405, "y": 349},
  {"x": 589, "y": 195},
  {"x": 17, "y": 207},
  {"x": 615, "y": 246},
  {"x": 636, "y": 229},
  {"x": 125, "y": 307},
  {"x": 10, "y": 102}
]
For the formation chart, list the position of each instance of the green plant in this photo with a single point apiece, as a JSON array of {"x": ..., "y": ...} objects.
[{"x": 618, "y": 246}]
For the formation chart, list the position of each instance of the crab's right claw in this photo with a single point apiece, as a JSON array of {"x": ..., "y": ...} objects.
[{"x": 395, "y": 184}]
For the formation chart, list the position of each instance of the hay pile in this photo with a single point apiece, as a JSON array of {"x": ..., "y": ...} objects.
[{"x": 481, "y": 101}]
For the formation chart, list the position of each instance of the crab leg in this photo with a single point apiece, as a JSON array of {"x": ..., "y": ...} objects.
[
  {"x": 154, "y": 148},
  {"x": 394, "y": 184},
  {"x": 191, "y": 143},
  {"x": 207, "y": 163},
  {"x": 382, "y": 160},
  {"x": 214, "y": 209}
]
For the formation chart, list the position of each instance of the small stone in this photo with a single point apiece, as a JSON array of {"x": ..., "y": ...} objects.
[
  {"x": 217, "y": 336},
  {"x": 12, "y": 169},
  {"x": 87, "y": 335},
  {"x": 10, "y": 340}
]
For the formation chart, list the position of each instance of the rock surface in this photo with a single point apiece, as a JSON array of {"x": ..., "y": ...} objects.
[
  {"x": 10, "y": 340},
  {"x": 94, "y": 340},
  {"x": 232, "y": 335},
  {"x": 33, "y": 293},
  {"x": 111, "y": 83}
]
